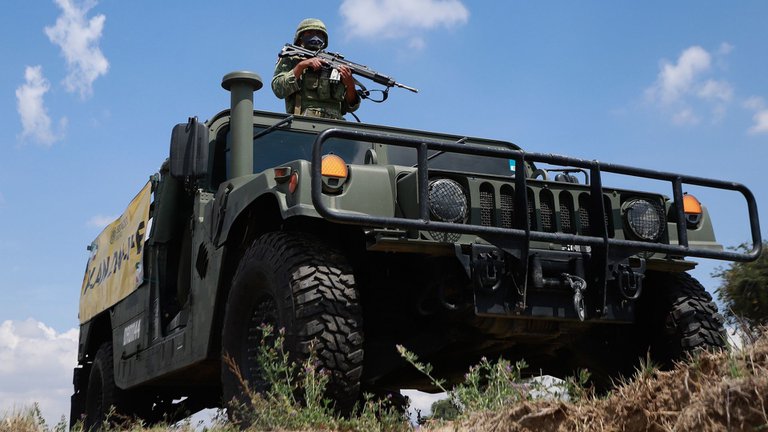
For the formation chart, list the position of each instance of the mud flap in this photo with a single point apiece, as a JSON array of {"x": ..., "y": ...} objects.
[{"x": 77, "y": 401}]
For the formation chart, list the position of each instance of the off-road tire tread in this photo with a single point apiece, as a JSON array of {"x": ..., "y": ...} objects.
[
  {"x": 103, "y": 361},
  {"x": 326, "y": 307},
  {"x": 686, "y": 318},
  {"x": 693, "y": 315}
]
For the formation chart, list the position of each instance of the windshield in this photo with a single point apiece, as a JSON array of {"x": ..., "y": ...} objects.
[
  {"x": 454, "y": 161},
  {"x": 281, "y": 146}
]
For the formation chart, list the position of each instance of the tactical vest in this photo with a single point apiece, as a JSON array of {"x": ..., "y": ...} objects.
[{"x": 319, "y": 96}]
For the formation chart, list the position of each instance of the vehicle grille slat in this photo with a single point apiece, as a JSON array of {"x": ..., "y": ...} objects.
[
  {"x": 547, "y": 203},
  {"x": 487, "y": 205},
  {"x": 507, "y": 200},
  {"x": 561, "y": 215},
  {"x": 567, "y": 224},
  {"x": 532, "y": 221},
  {"x": 585, "y": 228}
]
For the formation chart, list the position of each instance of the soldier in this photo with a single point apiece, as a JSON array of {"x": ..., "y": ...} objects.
[{"x": 309, "y": 86}]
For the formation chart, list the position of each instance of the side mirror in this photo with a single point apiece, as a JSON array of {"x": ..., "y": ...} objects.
[{"x": 189, "y": 150}]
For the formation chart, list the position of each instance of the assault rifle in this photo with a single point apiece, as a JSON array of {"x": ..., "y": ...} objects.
[{"x": 335, "y": 60}]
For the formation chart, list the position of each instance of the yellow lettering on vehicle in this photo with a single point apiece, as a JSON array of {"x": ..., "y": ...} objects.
[{"x": 115, "y": 266}]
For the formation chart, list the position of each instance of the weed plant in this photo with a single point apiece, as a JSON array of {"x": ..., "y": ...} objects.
[
  {"x": 487, "y": 386},
  {"x": 29, "y": 420},
  {"x": 291, "y": 396},
  {"x": 294, "y": 396}
]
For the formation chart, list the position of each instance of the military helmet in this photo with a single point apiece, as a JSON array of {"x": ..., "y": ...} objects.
[{"x": 310, "y": 24}]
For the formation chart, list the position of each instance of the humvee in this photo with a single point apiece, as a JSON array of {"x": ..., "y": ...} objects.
[{"x": 356, "y": 238}]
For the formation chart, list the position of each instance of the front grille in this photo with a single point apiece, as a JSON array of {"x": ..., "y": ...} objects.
[{"x": 546, "y": 211}]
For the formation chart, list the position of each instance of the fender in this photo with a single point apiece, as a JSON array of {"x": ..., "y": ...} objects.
[
  {"x": 92, "y": 334},
  {"x": 364, "y": 183}
]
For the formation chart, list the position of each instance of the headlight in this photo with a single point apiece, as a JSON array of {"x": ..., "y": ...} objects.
[
  {"x": 447, "y": 201},
  {"x": 645, "y": 219}
]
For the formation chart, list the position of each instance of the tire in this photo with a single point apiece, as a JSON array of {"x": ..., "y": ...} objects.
[
  {"x": 685, "y": 319},
  {"x": 102, "y": 393},
  {"x": 297, "y": 284},
  {"x": 675, "y": 317}
]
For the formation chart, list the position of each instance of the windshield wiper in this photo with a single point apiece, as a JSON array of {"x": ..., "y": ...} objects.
[
  {"x": 438, "y": 153},
  {"x": 274, "y": 127}
]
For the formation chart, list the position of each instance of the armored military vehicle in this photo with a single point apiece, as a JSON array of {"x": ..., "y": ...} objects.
[{"x": 361, "y": 237}]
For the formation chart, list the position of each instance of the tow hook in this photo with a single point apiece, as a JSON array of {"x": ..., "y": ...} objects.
[
  {"x": 630, "y": 281},
  {"x": 578, "y": 285},
  {"x": 489, "y": 270}
]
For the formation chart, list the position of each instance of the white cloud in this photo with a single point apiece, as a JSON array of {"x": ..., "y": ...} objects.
[
  {"x": 754, "y": 103},
  {"x": 685, "y": 117},
  {"x": 725, "y": 48},
  {"x": 36, "y": 365},
  {"x": 716, "y": 90},
  {"x": 674, "y": 80},
  {"x": 688, "y": 86},
  {"x": 35, "y": 122},
  {"x": 760, "y": 118},
  {"x": 100, "y": 221},
  {"x": 79, "y": 43},
  {"x": 718, "y": 113},
  {"x": 761, "y": 122},
  {"x": 417, "y": 44},
  {"x": 398, "y": 18}
]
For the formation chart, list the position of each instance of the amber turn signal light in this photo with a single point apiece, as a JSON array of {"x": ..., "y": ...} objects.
[
  {"x": 333, "y": 166},
  {"x": 691, "y": 205}
]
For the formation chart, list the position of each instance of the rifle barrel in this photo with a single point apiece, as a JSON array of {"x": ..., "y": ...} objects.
[{"x": 415, "y": 90}]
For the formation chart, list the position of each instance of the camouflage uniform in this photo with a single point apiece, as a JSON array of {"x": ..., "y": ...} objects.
[{"x": 314, "y": 94}]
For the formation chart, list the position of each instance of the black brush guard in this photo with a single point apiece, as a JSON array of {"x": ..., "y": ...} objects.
[{"x": 517, "y": 240}]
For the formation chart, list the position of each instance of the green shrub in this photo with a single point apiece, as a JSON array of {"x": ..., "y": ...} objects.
[
  {"x": 294, "y": 399},
  {"x": 744, "y": 291},
  {"x": 487, "y": 385}
]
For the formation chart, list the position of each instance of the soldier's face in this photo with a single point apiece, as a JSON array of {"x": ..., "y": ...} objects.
[{"x": 313, "y": 39}]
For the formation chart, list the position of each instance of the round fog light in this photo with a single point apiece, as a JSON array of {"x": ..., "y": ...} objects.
[
  {"x": 645, "y": 219},
  {"x": 447, "y": 201}
]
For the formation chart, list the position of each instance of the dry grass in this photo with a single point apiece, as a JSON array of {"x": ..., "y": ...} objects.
[
  {"x": 19, "y": 422},
  {"x": 27, "y": 420},
  {"x": 712, "y": 392},
  {"x": 30, "y": 420}
]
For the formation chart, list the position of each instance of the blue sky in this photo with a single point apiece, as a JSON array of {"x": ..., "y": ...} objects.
[{"x": 91, "y": 89}]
